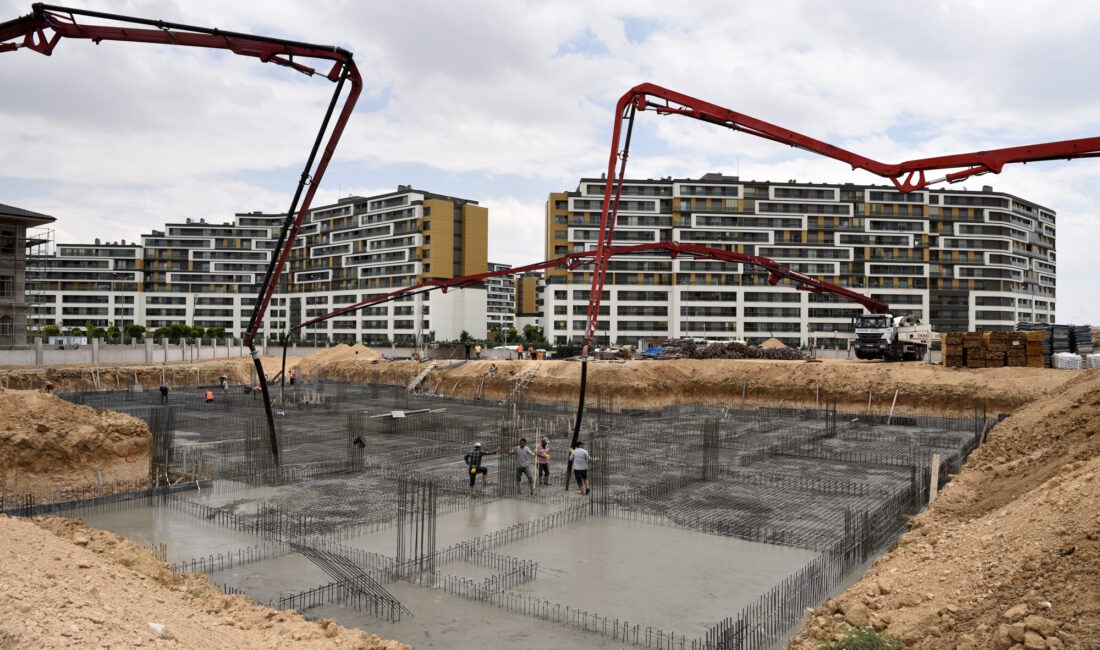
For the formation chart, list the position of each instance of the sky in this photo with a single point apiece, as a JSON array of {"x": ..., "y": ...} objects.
[{"x": 506, "y": 101}]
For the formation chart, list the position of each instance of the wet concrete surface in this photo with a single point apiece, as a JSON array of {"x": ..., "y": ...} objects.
[
  {"x": 670, "y": 578},
  {"x": 445, "y": 622},
  {"x": 771, "y": 473},
  {"x": 184, "y": 536}
]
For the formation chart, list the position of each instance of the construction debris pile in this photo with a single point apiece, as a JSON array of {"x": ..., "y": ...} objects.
[{"x": 690, "y": 349}]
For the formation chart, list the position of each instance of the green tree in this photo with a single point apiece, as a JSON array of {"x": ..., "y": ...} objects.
[
  {"x": 96, "y": 332},
  {"x": 135, "y": 331},
  {"x": 162, "y": 333},
  {"x": 197, "y": 332},
  {"x": 76, "y": 331},
  {"x": 178, "y": 332},
  {"x": 533, "y": 335},
  {"x": 216, "y": 333},
  {"x": 114, "y": 332},
  {"x": 50, "y": 330}
]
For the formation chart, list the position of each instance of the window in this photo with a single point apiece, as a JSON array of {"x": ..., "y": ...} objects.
[
  {"x": 7, "y": 241},
  {"x": 7, "y": 286}
]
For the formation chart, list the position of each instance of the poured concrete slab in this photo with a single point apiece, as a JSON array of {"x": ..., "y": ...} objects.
[
  {"x": 184, "y": 536},
  {"x": 482, "y": 517}
]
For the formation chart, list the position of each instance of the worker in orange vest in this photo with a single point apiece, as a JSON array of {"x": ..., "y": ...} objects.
[{"x": 209, "y": 396}]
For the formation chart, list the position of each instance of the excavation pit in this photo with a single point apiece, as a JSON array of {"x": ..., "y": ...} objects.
[{"x": 705, "y": 527}]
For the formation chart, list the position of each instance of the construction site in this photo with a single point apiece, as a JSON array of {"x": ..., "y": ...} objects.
[
  {"x": 732, "y": 501},
  {"x": 713, "y": 524},
  {"x": 776, "y": 506}
]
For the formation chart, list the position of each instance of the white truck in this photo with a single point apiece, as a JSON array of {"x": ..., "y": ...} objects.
[{"x": 894, "y": 338}]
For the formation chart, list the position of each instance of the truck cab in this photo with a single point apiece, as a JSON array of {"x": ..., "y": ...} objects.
[{"x": 889, "y": 337}]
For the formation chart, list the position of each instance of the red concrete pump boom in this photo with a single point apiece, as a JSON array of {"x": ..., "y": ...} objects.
[
  {"x": 906, "y": 176},
  {"x": 42, "y": 30},
  {"x": 572, "y": 261}
]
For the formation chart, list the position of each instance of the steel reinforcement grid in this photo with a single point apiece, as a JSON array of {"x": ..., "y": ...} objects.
[{"x": 839, "y": 484}]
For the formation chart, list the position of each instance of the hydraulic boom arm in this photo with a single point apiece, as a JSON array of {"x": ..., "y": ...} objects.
[
  {"x": 42, "y": 30},
  {"x": 906, "y": 176}
]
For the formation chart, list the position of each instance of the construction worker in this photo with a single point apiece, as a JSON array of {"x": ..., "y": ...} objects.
[
  {"x": 164, "y": 393},
  {"x": 291, "y": 377},
  {"x": 49, "y": 387},
  {"x": 473, "y": 462},
  {"x": 524, "y": 456},
  {"x": 580, "y": 458},
  {"x": 225, "y": 383},
  {"x": 542, "y": 458},
  {"x": 209, "y": 396}
]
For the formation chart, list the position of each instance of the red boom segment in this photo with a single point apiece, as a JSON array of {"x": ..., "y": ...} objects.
[
  {"x": 32, "y": 30},
  {"x": 776, "y": 272},
  {"x": 61, "y": 21},
  {"x": 906, "y": 176}
]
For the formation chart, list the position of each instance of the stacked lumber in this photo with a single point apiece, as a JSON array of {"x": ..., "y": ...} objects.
[
  {"x": 1041, "y": 335},
  {"x": 993, "y": 349}
]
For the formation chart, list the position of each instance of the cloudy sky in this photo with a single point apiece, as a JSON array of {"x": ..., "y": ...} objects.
[{"x": 505, "y": 101}]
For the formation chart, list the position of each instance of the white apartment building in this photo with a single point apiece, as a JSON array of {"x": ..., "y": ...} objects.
[
  {"x": 207, "y": 274},
  {"x": 961, "y": 260},
  {"x": 501, "y": 298}
]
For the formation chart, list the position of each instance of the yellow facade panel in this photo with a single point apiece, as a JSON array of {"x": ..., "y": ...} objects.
[
  {"x": 475, "y": 239},
  {"x": 439, "y": 235}
]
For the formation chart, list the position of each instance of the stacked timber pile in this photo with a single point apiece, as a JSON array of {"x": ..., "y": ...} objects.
[
  {"x": 1048, "y": 341},
  {"x": 994, "y": 349}
]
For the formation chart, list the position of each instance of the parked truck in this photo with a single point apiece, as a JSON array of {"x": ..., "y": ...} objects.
[{"x": 894, "y": 338}]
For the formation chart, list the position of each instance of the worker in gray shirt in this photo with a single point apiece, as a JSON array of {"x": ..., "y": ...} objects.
[
  {"x": 580, "y": 458},
  {"x": 524, "y": 457}
]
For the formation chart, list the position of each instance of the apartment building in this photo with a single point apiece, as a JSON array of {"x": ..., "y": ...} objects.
[
  {"x": 210, "y": 275},
  {"x": 501, "y": 297},
  {"x": 961, "y": 260},
  {"x": 15, "y": 247}
]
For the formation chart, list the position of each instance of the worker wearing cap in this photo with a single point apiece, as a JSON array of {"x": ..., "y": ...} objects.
[
  {"x": 542, "y": 458},
  {"x": 473, "y": 462}
]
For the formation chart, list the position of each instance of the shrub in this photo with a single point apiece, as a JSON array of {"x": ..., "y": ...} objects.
[{"x": 863, "y": 638}]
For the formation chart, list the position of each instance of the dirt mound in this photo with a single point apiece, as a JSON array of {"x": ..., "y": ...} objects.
[
  {"x": 852, "y": 385},
  {"x": 337, "y": 361},
  {"x": 1008, "y": 553},
  {"x": 88, "y": 588},
  {"x": 48, "y": 444},
  {"x": 773, "y": 344}
]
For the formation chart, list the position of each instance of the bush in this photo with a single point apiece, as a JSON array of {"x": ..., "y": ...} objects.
[{"x": 863, "y": 638}]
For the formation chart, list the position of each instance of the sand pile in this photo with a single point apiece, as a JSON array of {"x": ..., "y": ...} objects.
[
  {"x": 1008, "y": 555},
  {"x": 91, "y": 588},
  {"x": 338, "y": 362},
  {"x": 47, "y": 444}
]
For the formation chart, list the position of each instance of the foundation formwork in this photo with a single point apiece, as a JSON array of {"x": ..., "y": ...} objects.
[{"x": 372, "y": 493}]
